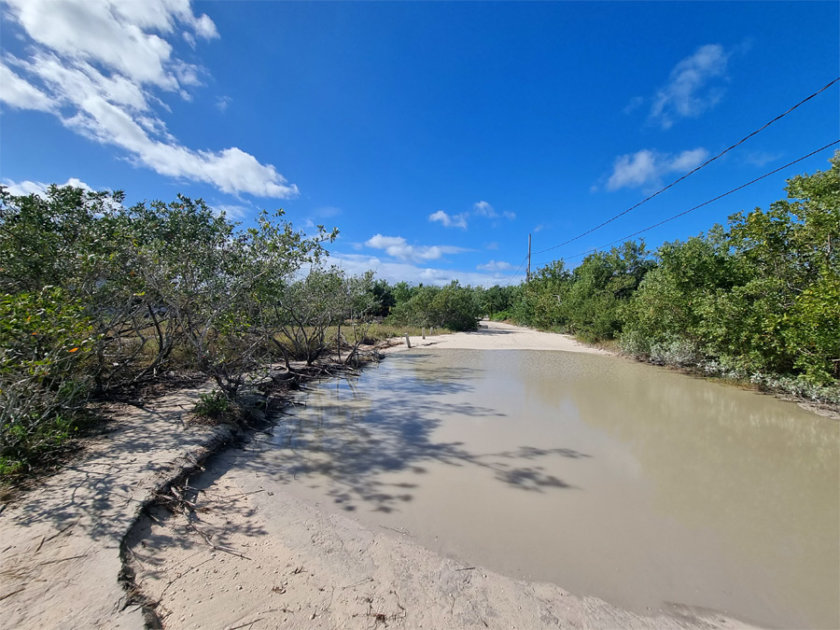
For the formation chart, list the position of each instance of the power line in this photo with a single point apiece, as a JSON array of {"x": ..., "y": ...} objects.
[
  {"x": 519, "y": 266},
  {"x": 706, "y": 203},
  {"x": 694, "y": 170}
]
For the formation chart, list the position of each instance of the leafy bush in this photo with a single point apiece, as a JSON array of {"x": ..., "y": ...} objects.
[
  {"x": 677, "y": 351},
  {"x": 453, "y": 307},
  {"x": 214, "y": 405},
  {"x": 45, "y": 378}
]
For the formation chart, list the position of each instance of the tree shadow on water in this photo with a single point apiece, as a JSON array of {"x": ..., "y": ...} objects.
[{"x": 348, "y": 447}]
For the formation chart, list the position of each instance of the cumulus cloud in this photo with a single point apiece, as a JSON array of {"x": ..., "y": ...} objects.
[
  {"x": 18, "y": 93},
  {"x": 484, "y": 209},
  {"x": 28, "y": 187},
  {"x": 100, "y": 67},
  {"x": 405, "y": 271},
  {"x": 479, "y": 209},
  {"x": 398, "y": 247},
  {"x": 495, "y": 265},
  {"x": 692, "y": 88},
  {"x": 646, "y": 167},
  {"x": 457, "y": 220}
]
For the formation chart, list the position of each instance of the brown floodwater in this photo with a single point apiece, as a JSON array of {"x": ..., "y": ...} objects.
[{"x": 628, "y": 482}]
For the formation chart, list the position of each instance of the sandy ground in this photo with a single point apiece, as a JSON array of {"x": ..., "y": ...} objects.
[
  {"x": 238, "y": 556},
  {"x": 500, "y": 336},
  {"x": 60, "y": 543}
]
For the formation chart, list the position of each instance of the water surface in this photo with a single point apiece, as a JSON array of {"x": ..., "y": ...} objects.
[{"x": 631, "y": 483}]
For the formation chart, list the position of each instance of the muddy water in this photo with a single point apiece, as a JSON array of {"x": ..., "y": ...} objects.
[{"x": 631, "y": 483}]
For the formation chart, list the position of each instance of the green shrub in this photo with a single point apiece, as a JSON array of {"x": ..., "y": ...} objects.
[
  {"x": 214, "y": 405},
  {"x": 45, "y": 343}
]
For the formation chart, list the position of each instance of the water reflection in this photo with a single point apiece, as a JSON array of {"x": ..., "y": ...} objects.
[{"x": 611, "y": 478}]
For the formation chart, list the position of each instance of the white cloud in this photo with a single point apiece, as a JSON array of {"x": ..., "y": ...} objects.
[
  {"x": 479, "y": 209},
  {"x": 761, "y": 158},
  {"x": 484, "y": 209},
  {"x": 690, "y": 90},
  {"x": 646, "y": 167},
  {"x": 98, "y": 65},
  {"x": 495, "y": 265},
  {"x": 635, "y": 103},
  {"x": 223, "y": 102},
  {"x": 403, "y": 271},
  {"x": 233, "y": 212},
  {"x": 20, "y": 94},
  {"x": 457, "y": 220},
  {"x": 28, "y": 187},
  {"x": 398, "y": 247}
]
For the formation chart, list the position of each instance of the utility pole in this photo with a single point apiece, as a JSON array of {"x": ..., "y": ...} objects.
[{"x": 528, "y": 275}]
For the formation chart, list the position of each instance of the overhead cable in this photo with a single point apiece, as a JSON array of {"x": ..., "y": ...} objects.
[
  {"x": 706, "y": 203},
  {"x": 694, "y": 170}
]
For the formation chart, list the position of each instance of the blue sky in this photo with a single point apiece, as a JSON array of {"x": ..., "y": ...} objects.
[{"x": 436, "y": 136}]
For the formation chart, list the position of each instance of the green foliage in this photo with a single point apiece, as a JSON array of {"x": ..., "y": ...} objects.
[
  {"x": 137, "y": 291},
  {"x": 383, "y": 299},
  {"x": 45, "y": 347},
  {"x": 672, "y": 297},
  {"x": 303, "y": 310},
  {"x": 588, "y": 302},
  {"x": 453, "y": 307},
  {"x": 96, "y": 296},
  {"x": 214, "y": 405},
  {"x": 814, "y": 329},
  {"x": 497, "y": 299},
  {"x": 759, "y": 297},
  {"x": 762, "y": 297}
]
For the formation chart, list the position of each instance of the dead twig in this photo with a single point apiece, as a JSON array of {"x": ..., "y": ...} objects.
[
  {"x": 394, "y": 529},
  {"x": 214, "y": 546},
  {"x": 367, "y": 579},
  {"x": 62, "y": 530}
]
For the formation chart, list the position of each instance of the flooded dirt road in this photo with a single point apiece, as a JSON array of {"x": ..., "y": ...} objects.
[{"x": 635, "y": 484}]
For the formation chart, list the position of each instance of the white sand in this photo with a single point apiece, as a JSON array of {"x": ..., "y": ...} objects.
[
  {"x": 499, "y": 336},
  {"x": 60, "y": 543}
]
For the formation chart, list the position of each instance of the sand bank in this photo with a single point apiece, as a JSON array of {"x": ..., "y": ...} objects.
[{"x": 60, "y": 559}]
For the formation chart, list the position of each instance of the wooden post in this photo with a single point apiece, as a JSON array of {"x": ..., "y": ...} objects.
[
  {"x": 407, "y": 340},
  {"x": 423, "y": 332},
  {"x": 528, "y": 275}
]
